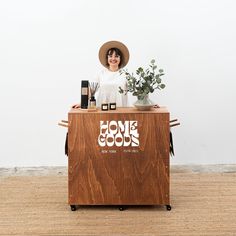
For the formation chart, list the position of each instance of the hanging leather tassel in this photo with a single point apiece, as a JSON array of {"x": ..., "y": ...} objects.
[
  {"x": 172, "y": 153},
  {"x": 172, "y": 124},
  {"x": 66, "y": 145}
]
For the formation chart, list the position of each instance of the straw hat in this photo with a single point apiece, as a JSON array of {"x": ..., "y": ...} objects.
[{"x": 113, "y": 44}]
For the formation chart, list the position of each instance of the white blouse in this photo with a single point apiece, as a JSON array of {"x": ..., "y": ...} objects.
[{"x": 108, "y": 92}]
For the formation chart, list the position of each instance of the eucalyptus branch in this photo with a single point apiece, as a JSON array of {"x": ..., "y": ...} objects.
[{"x": 144, "y": 82}]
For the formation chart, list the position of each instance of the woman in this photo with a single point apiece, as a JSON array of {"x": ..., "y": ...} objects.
[{"x": 113, "y": 55}]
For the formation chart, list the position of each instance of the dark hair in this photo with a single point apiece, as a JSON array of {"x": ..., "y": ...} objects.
[{"x": 117, "y": 53}]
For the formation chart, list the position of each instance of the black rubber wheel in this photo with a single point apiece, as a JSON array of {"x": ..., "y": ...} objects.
[
  {"x": 121, "y": 208},
  {"x": 73, "y": 207},
  {"x": 168, "y": 207}
]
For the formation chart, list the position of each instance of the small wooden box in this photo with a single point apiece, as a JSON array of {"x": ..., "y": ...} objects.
[{"x": 118, "y": 157}]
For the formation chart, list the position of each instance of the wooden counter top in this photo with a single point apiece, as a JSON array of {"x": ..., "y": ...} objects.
[{"x": 119, "y": 110}]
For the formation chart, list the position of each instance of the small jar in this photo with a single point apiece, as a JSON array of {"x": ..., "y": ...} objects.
[
  {"x": 104, "y": 107},
  {"x": 112, "y": 106}
]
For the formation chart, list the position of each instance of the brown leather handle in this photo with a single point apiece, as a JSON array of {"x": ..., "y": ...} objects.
[{"x": 175, "y": 124}]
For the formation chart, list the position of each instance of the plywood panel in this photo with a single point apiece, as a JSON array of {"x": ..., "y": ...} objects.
[{"x": 119, "y": 175}]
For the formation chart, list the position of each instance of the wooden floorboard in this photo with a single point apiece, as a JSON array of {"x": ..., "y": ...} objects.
[{"x": 202, "y": 204}]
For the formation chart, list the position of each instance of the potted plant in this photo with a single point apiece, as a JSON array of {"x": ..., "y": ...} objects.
[{"x": 143, "y": 83}]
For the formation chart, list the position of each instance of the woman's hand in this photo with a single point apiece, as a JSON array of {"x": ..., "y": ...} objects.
[
  {"x": 156, "y": 106},
  {"x": 76, "y": 106}
]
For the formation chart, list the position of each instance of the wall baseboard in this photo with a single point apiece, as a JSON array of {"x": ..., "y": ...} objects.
[{"x": 62, "y": 170}]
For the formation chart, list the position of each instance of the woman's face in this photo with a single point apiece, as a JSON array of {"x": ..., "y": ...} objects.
[{"x": 113, "y": 60}]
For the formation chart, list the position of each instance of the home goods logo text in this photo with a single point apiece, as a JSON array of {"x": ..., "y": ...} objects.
[{"x": 118, "y": 133}]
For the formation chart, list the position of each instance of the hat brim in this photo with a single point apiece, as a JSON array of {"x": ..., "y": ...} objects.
[{"x": 113, "y": 44}]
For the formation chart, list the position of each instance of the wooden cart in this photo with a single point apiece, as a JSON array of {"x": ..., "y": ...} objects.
[{"x": 118, "y": 157}]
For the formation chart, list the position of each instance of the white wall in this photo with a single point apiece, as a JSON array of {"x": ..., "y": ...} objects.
[{"x": 47, "y": 47}]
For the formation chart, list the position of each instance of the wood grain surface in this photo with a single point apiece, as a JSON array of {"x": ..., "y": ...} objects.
[{"x": 118, "y": 175}]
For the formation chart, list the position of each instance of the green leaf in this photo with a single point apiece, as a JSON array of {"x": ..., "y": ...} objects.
[{"x": 143, "y": 80}]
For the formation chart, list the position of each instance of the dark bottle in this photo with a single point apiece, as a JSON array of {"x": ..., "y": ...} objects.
[{"x": 84, "y": 94}]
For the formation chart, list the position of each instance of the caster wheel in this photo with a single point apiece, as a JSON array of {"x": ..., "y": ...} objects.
[
  {"x": 168, "y": 207},
  {"x": 73, "y": 207},
  {"x": 121, "y": 208}
]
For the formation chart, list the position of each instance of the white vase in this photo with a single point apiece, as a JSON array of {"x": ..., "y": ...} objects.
[{"x": 144, "y": 103}]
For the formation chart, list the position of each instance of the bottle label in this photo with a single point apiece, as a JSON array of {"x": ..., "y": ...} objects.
[
  {"x": 84, "y": 91},
  {"x": 104, "y": 106},
  {"x": 93, "y": 104}
]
